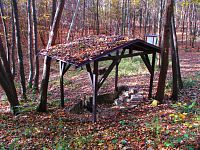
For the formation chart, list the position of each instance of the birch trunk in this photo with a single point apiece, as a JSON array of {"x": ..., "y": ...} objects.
[
  {"x": 19, "y": 48},
  {"x": 30, "y": 47},
  {"x": 47, "y": 61},
  {"x": 35, "y": 43}
]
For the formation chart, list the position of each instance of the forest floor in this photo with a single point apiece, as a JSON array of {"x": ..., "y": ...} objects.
[{"x": 165, "y": 126}]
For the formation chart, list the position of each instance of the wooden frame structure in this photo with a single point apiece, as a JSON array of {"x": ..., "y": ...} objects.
[{"x": 130, "y": 49}]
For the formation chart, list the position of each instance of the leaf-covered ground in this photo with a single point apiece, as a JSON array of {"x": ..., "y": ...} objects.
[{"x": 166, "y": 126}]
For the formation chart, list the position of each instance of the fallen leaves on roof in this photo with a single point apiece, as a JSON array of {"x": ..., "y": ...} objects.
[{"x": 85, "y": 48}]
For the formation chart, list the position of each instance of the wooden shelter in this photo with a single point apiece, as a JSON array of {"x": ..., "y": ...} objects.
[{"x": 94, "y": 49}]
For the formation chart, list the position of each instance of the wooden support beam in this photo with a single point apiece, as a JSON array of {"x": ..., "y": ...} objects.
[
  {"x": 123, "y": 56},
  {"x": 95, "y": 91},
  {"x": 63, "y": 69},
  {"x": 147, "y": 58},
  {"x": 152, "y": 74},
  {"x": 146, "y": 61},
  {"x": 141, "y": 48},
  {"x": 103, "y": 78},
  {"x": 116, "y": 71},
  {"x": 89, "y": 70}
]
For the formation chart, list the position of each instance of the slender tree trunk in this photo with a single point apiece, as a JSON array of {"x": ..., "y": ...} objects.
[
  {"x": 5, "y": 32},
  {"x": 73, "y": 18},
  {"x": 183, "y": 25},
  {"x": 83, "y": 21},
  {"x": 175, "y": 41},
  {"x": 128, "y": 17},
  {"x": 146, "y": 18},
  {"x": 19, "y": 48},
  {"x": 187, "y": 24},
  {"x": 30, "y": 46},
  {"x": 47, "y": 61},
  {"x": 160, "y": 22},
  {"x": 97, "y": 18},
  {"x": 123, "y": 16},
  {"x": 174, "y": 59},
  {"x": 140, "y": 20},
  {"x": 11, "y": 95},
  {"x": 194, "y": 26},
  {"x": 164, "y": 54},
  {"x": 13, "y": 43},
  {"x": 110, "y": 19},
  {"x": 155, "y": 21},
  {"x": 7, "y": 82},
  {"x": 134, "y": 21},
  {"x": 53, "y": 11},
  {"x": 5, "y": 61},
  {"x": 35, "y": 43}
]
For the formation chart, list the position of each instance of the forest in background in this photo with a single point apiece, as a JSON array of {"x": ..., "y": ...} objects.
[{"x": 130, "y": 17}]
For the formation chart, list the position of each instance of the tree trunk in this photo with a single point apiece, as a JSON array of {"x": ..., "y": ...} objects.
[
  {"x": 83, "y": 21},
  {"x": 53, "y": 11},
  {"x": 30, "y": 47},
  {"x": 47, "y": 61},
  {"x": 123, "y": 16},
  {"x": 13, "y": 44},
  {"x": 175, "y": 41},
  {"x": 146, "y": 18},
  {"x": 128, "y": 17},
  {"x": 35, "y": 42},
  {"x": 73, "y": 18},
  {"x": 140, "y": 20},
  {"x": 174, "y": 59},
  {"x": 164, "y": 54},
  {"x": 160, "y": 21},
  {"x": 183, "y": 24},
  {"x": 19, "y": 48},
  {"x": 194, "y": 26},
  {"x": 5, "y": 32},
  {"x": 7, "y": 82},
  {"x": 187, "y": 24},
  {"x": 97, "y": 18},
  {"x": 134, "y": 21}
]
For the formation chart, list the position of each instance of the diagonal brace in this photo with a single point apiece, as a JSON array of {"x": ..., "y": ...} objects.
[
  {"x": 146, "y": 61},
  {"x": 110, "y": 68},
  {"x": 90, "y": 73}
]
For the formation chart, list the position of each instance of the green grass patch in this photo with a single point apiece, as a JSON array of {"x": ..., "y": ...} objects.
[
  {"x": 189, "y": 83},
  {"x": 128, "y": 66}
]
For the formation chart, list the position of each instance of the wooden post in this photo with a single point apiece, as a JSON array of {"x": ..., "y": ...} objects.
[
  {"x": 61, "y": 84},
  {"x": 152, "y": 74},
  {"x": 116, "y": 71},
  {"x": 63, "y": 70},
  {"x": 95, "y": 90}
]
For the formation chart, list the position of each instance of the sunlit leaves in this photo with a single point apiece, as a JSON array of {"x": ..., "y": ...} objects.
[{"x": 154, "y": 103}]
